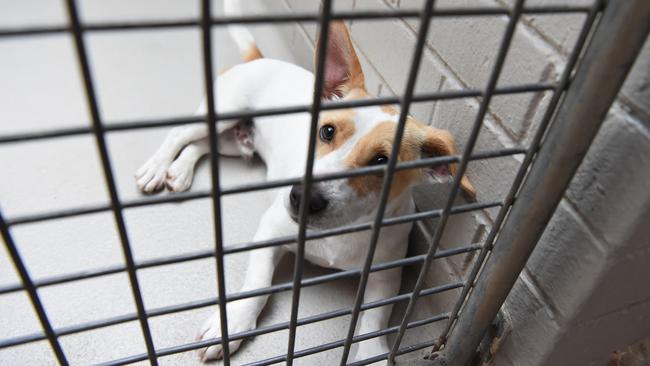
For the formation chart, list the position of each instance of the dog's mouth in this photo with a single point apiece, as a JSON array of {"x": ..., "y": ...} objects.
[
  {"x": 296, "y": 218},
  {"x": 311, "y": 220}
]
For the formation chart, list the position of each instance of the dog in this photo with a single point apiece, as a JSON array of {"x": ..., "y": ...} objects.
[{"x": 347, "y": 138}]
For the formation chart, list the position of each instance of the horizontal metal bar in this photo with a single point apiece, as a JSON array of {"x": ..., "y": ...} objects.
[
  {"x": 313, "y": 281},
  {"x": 16, "y": 341},
  {"x": 33, "y": 31},
  {"x": 420, "y": 163},
  {"x": 377, "y": 101},
  {"x": 58, "y": 214},
  {"x": 282, "y": 18},
  {"x": 203, "y": 254},
  {"x": 361, "y": 227},
  {"x": 117, "y": 268},
  {"x": 256, "y": 245},
  {"x": 112, "y": 127},
  {"x": 181, "y": 258},
  {"x": 138, "y": 202},
  {"x": 285, "y": 325},
  {"x": 75, "y": 276},
  {"x": 248, "y": 114},
  {"x": 77, "y": 328},
  {"x": 177, "y": 197},
  {"x": 355, "y": 339},
  {"x": 187, "y": 196},
  {"x": 401, "y": 351}
]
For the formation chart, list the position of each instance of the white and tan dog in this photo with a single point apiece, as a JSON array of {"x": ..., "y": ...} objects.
[{"x": 347, "y": 139}]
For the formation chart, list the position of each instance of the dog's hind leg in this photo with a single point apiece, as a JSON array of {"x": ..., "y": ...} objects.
[
  {"x": 152, "y": 174},
  {"x": 244, "y": 132},
  {"x": 238, "y": 140},
  {"x": 242, "y": 314}
]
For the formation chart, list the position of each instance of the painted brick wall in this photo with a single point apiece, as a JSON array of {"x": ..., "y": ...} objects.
[{"x": 585, "y": 290}]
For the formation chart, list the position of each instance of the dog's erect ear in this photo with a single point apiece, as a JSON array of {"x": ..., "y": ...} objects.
[
  {"x": 440, "y": 143},
  {"x": 342, "y": 68}
]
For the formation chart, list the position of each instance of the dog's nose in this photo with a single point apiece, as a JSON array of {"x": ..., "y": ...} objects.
[{"x": 317, "y": 202}]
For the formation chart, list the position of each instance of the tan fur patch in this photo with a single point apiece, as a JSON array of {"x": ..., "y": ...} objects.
[
  {"x": 440, "y": 143},
  {"x": 341, "y": 54},
  {"x": 343, "y": 122},
  {"x": 253, "y": 53},
  {"x": 380, "y": 141},
  {"x": 389, "y": 110},
  {"x": 357, "y": 93},
  {"x": 418, "y": 139}
]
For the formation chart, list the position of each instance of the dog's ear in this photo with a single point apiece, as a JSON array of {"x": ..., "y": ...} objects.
[
  {"x": 440, "y": 143},
  {"x": 342, "y": 68}
]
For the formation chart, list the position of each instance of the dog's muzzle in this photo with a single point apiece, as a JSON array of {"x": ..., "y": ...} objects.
[{"x": 317, "y": 201}]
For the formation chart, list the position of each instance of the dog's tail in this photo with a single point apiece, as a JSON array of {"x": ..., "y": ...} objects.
[{"x": 243, "y": 38}]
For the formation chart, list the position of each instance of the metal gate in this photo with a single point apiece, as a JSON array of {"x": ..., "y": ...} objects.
[{"x": 607, "y": 45}]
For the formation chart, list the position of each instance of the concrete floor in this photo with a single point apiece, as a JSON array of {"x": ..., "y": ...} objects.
[{"x": 139, "y": 74}]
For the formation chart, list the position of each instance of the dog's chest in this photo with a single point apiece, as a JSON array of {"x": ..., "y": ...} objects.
[{"x": 349, "y": 251}]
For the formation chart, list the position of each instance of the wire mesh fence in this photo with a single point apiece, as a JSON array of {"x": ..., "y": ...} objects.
[{"x": 98, "y": 130}]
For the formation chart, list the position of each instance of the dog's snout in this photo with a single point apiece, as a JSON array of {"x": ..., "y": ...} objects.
[
  {"x": 317, "y": 201},
  {"x": 294, "y": 197}
]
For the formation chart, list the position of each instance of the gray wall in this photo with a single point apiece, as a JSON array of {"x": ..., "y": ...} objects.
[{"x": 585, "y": 290}]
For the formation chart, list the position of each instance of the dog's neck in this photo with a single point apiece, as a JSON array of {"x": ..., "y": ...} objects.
[{"x": 400, "y": 205}]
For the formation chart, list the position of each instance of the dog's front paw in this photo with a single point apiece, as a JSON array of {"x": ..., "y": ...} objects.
[
  {"x": 151, "y": 175},
  {"x": 212, "y": 329}
]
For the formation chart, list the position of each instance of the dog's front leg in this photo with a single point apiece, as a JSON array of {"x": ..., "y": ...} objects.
[
  {"x": 242, "y": 314},
  {"x": 381, "y": 285}
]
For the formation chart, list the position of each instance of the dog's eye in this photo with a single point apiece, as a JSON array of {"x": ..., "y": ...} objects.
[
  {"x": 327, "y": 133},
  {"x": 378, "y": 160}
]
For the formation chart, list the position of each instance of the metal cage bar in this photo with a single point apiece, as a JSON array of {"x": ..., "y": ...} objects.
[
  {"x": 285, "y": 325},
  {"x": 209, "y": 81},
  {"x": 286, "y": 18},
  {"x": 170, "y": 309},
  {"x": 462, "y": 166},
  {"x": 238, "y": 248},
  {"x": 93, "y": 105},
  {"x": 245, "y": 114},
  {"x": 319, "y": 82},
  {"x": 33, "y": 294},
  {"x": 187, "y": 196},
  {"x": 389, "y": 172}
]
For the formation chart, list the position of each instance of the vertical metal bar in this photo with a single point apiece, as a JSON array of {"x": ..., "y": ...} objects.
[
  {"x": 31, "y": 291},
  {"x": 462, "y": 166},
  {"x": 425, "y": 20},
  {"x": 326, "y": 9},
  {"x": 98, "y": 131},
  {"x": 619, "y": 38},
  {"x": 521, "y": 173},
  {"x": 206, "y": 30}
]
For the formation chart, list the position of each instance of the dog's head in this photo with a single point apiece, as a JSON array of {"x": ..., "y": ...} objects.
[{"x": 358, "y": 137}]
